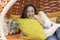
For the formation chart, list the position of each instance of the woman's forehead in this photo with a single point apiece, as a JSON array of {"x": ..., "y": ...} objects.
[{"x": 30, "y": 8}]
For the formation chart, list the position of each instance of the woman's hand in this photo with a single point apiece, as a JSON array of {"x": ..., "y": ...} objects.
[
  {"x": 35, "y": 16},
  {"x": 39, "y": 19}
]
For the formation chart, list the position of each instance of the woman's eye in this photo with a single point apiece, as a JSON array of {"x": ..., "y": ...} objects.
[
  {"x": 32, "y": 11},
  {"x": 27, "y": 11}
]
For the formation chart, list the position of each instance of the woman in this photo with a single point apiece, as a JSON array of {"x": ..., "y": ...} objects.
[
  {"x": 50, "y": 27},
  {"x": 29, "y": 11},
  {"x": 48, "y": 24}
]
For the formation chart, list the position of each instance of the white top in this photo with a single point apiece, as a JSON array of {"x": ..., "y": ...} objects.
[{"x": 50, "y": 27}]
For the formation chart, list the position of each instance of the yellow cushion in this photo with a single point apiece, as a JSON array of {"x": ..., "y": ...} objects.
[
  {"x": 14, "y": 16},
  {"x": 31, "y": 28}
]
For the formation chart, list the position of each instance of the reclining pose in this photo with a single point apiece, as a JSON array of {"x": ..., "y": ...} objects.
[{"x": 50, "y": 27}]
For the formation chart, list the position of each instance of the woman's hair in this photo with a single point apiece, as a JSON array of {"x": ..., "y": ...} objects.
[{"x": 24, "y": 13}]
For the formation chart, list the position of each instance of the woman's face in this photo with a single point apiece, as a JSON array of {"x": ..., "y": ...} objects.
[{"x": 30, "y": 12}]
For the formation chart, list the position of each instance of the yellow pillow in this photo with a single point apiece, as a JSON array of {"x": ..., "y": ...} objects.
[
  {"x": 14, "y": 16},
  {"x": 31, "y": 28}
]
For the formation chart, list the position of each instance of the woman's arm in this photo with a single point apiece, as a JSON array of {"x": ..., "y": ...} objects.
[
  {"x": 51, "y": 30},
  {"x": 48, "y": 22},
  {"x": 41, "y": 20},
  {"x": 45, "y": 23}
]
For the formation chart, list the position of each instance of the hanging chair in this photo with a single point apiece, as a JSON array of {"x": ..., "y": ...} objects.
[{"x": 2, "y": 14}]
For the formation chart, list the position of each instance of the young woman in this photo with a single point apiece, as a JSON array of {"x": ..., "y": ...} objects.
[
  {"x": 29, "y": 11},
  {"x": 50, "y": 27}
]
